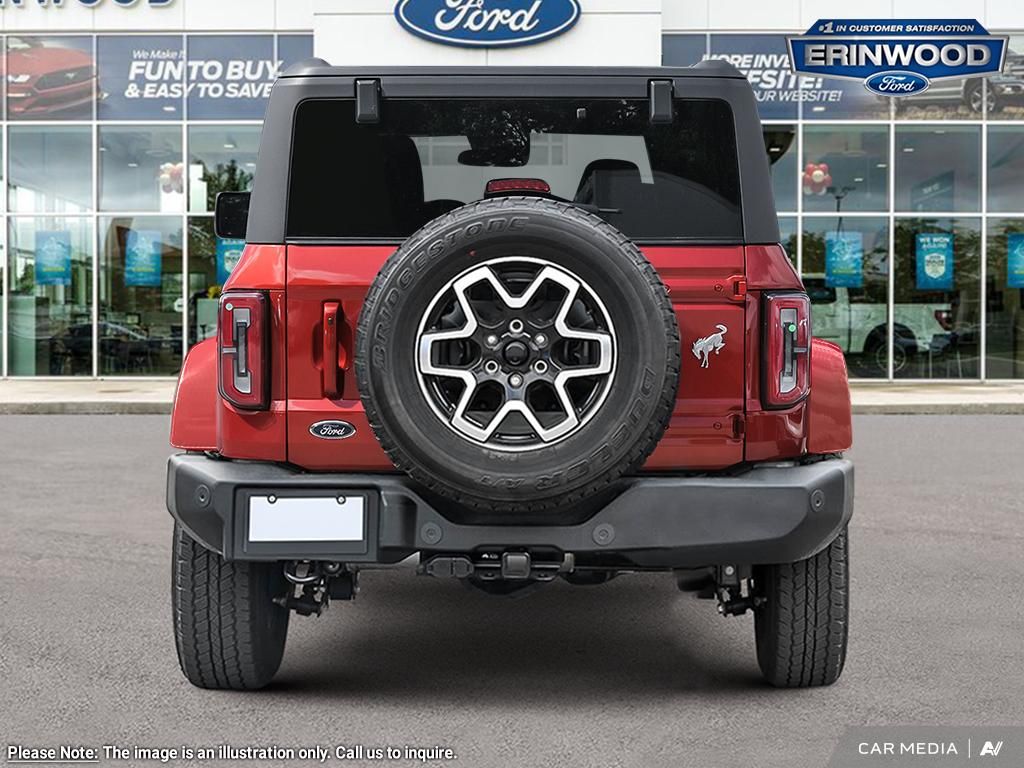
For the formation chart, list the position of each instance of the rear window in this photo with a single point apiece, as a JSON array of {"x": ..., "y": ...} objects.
[{"x": 427, "y": 157}]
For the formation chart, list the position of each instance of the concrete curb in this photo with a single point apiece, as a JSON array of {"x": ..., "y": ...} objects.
[
  {"x": 938, "y": 409},
  {"x": 85, "y": 408}
]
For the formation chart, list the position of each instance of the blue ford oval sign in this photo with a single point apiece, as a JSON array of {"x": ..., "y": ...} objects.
[
  {"x": 897, "y": 83},
  {"x": 487, "y": 23}
]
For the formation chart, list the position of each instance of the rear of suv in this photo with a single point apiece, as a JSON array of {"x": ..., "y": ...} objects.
[{"x": 521, "y": 326}]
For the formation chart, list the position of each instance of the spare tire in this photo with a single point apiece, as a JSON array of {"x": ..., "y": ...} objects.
[{"x": 518, "y": 355}]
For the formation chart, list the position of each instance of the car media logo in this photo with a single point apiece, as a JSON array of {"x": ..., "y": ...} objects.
[
  {"x": 332, "y": 430},
  {"x": 897, "y": 57},
  {"x": 991, "y": 749},
  {"x": 487, "y": 23}
]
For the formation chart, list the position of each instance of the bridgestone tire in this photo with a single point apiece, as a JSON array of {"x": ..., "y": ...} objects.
[
  {"x": 228, "y": 632},
  {"x": 802, "y": 627},
  {"x": 618, "y": 436}
]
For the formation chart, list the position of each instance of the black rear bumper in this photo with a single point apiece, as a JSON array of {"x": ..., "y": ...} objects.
[{"x": 766, "y": 514}]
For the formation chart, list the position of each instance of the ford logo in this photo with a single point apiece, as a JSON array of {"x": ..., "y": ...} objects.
[
  {"x": 897, "y": 83},
  {"x": 332, "y": 430},
  {"x": 487, "y": 23}
]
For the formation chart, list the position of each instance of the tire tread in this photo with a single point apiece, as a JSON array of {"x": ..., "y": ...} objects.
[{"x": 802, "y": 630}]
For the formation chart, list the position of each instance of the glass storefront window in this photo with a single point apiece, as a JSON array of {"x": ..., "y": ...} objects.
[
  {"x": 51, "y": 169},
  {"x": 937, "y": 309},
  {"x": 292, "y": 49},
  {"x": 1006, "y": 168},
  {"x": 141, "y": 296},
  {"x": 142, "y": 77},
  {"x": 220, "y": 159},
  {"x": 826, "y": 98},
  {"x": 49, "y": 325},
  {"x": 210, "y": 261},
  {"x": 780, "y": 144},
  {"x": 50, "y": 78},
  {"x": 230, "y": 76},
  {"x": 98, "y": 174},
  {"x": 1005, "y": 91},
  {"x": 683, "y": 50},
  {"x": 1004, "y": 318},
  {"x": 141, "y": 169},
  {"x": 789, "y": 231},
  {"x": 764, "y": 59},
  {"x": 944, "y": 100},
  {"x": 846, "y": 273},
  {"x": 854, "y": 161},
  {"x": 938, "y": 168}
]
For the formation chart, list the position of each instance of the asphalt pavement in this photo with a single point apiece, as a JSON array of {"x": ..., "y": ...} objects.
[{"x": 632, "y": 673}]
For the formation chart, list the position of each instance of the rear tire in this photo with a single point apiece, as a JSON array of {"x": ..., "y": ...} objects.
[
  {"x": 229, "y": 633},
  {"x": 802, "y": 627}
]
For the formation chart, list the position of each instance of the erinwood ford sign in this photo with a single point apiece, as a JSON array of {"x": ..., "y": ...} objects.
[
  {"x": 897, "y": 57},
  {"x": 487, "y": 23}
]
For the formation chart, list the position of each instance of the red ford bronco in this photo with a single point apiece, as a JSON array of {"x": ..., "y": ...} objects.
[{"x": 521, "y": 325}]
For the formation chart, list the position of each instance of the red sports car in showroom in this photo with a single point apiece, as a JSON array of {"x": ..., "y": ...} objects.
[{"x": 43, "y": 80}]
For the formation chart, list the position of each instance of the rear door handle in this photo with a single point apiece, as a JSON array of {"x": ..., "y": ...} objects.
[{"x": 330, "y": 326}]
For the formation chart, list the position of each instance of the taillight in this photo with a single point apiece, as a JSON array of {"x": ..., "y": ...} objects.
[
  {"x": 243, "y": 335},
  {"x": 944, "y": 317},
  {"x": 787, "y": 345},
  {"x": 506, "y": 186}
]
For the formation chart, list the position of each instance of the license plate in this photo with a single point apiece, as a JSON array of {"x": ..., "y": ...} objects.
[{"x": 304, "y": 518}]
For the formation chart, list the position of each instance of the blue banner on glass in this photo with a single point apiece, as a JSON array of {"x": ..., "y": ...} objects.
[
  {"x": 844, "y": 260},
  {"x": 142, "y": 259},
  {"x": 228, "y": 254},
  {"x": 53, "y": 258},
  {"x": 935, "y": 261},
  {"x": 1015, "y": 261}
]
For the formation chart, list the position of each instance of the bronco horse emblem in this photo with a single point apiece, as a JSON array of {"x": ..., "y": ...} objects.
[{"x": 702, "y": 348}]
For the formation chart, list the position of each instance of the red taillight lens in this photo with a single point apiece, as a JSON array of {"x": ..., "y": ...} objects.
[
  {"x": 508, "y": 186},
  {"x": 787, "y": 347},
  {"x": 944, "y": 317},
  {"x": 243, "y": 335}
]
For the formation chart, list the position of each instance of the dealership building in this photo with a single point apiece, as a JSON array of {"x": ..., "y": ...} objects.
[{"x": 121, "y": 121}]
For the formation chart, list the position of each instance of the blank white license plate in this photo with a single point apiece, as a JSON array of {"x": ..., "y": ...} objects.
[{"x": 306, "y": 519}]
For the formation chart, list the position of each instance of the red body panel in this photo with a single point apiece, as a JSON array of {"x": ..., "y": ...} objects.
[
  {"x": 718, "y": 420},
  {"x": 194, "y": 418},
  {"x": 262, "y": 267},
  {"x": 829, "y": 419},
  {"x": 705, "y": 285}
]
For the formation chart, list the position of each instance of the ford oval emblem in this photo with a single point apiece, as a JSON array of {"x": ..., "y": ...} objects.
[
  {"x": 897, "y": 83},
  {"x": 332, "y": 430},
  {"x": 487, "y": 23}
]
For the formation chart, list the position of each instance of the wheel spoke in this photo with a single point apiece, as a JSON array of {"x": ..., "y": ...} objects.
[{"x": 515, "y": 401}]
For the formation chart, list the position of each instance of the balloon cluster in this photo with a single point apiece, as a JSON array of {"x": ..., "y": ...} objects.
[
  {"x": 816, "y": 179},
  {"x": 172, "y": 177}
]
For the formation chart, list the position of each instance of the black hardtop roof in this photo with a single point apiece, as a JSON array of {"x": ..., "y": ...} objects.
[{"x": 709, "y": 68}]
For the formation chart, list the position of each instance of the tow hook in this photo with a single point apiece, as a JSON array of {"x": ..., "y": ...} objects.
[
  {"x": 731, "y": 599},
  {"x": 313, "y": 585}
]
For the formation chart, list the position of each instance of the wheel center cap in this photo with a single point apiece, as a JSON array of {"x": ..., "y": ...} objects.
[{"x": 516, "y": 353}]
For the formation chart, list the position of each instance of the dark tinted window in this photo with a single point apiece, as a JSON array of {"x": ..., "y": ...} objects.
[{"x": 429, "y": 157}]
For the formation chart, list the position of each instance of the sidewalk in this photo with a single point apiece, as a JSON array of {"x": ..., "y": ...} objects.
[{"x": 136, "y": 396}]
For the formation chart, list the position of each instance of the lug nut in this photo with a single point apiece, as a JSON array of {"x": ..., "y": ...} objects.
[
  {"x": 492, "y": 340},
  {"x": 515, "y": 380},
  {"x": 540, "y": 367},
  {"x": 491, "y": 367},
  {"x": 540, "y": 340},
  {"x": 516, "y": 326}
]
